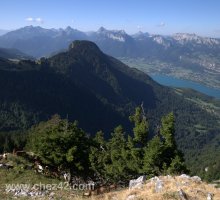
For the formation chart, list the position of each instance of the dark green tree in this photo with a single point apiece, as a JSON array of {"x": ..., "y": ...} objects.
[
  {"x": 99, "y": 156},
  {"x": 61, "y": 144},
  {"x": 161, "y": 155},
  {"x": 173, "y": 161},
  {"x": 153, "y": 161},
  {"x": 133, "y": 158},
  {"x": 141, "y": 127},
  {"x": 116, "y": 169}
]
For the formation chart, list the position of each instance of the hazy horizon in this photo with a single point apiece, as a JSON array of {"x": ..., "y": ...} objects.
[
  {"x": 3, "y": 31},
  {"x": 155, "y": 17}
]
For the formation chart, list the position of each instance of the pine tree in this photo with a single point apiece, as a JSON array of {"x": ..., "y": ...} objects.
[
  {"x": 99, "y": 156},
  {"x": 167, "y": 130},
  {"x": 61, "y": 144},
  {"x": 161, "y": 154},
  {"x": 173, "y": 160},
  {"x": 141, "y": 127},
  {"x": 117, "y": 168},
  {"x": 133, "y": 158},
  {"x": 153, "y": 157}
]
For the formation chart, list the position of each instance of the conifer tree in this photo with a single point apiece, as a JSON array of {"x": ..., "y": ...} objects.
[
  {"x": 133, "y": 157},
  {"x": 99, "y": 156},
  {"x": 152, "y": 157},
  {"x": 172, "y": 157},
  {"x": 141, "y": 127},
  {"x": 61, "y": 144},
  {"x": 117, "y": 168}
]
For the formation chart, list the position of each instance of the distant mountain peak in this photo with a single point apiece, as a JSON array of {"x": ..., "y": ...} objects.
[
  {"x": 141, "y": 35},
  {"x": 186, "y": 36},
  {"x": 192, "y": 37},
  {"x": 102, "y": 29},
  {"x": 31, "y": 27},
  {"x": 69, "y": 28},
  {"x": 79, "y": 45},
  {"x": 118, "y": 35}
]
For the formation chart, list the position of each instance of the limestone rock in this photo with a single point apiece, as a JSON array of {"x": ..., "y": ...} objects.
[
  {"x": 210, "y": 196},
  {"x": 159, "y": 185},
  {"x": 182, "y": 195},
  {"x": 137, "y": 183},
  {"x": 131, "y": 197}
]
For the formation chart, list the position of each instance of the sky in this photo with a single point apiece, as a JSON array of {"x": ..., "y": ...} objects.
[{"x": 154, "y": 16}]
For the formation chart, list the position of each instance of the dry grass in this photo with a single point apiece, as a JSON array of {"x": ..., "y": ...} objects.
[
  {"x": 171, "y": 186},
  {"x": 194, "y": 190}
]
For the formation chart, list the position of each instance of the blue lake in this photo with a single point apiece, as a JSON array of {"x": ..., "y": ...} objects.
[{"x": 175, "y": 82}]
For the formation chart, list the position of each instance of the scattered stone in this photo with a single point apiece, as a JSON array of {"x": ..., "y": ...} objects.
[
  {"x": 87, "y": 194},
  {"x": 210, "y": 196},
  {"x": 185, "y": 176},
  {"x": 159, "y": 186},
  {"x": 182, "y": 195},
  {"x": 154, "y": 179},
  {"x": 25, "y": 193},
  {"x": 131, "y": 197},
  {"x": 196, "y": 179},
  {"x": 51, "y": 194},
  {"x": 137, "y": 183},
  {"x": 168, "y": 177},
  {"x": 21, "y": 193}
]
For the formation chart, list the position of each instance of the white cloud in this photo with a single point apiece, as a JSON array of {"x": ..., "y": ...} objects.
[
  {"x": 39, "y": 20},
  {"x": 162, "y": 24},
  {"x": 36, "y": 20},
  {"x": 29, "y": 19}
]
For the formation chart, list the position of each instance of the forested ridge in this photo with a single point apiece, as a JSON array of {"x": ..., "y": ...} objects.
[{"x": 100, "y": 92}]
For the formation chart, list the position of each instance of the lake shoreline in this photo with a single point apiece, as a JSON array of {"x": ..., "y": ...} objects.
[{"x": 183, "y": 83}]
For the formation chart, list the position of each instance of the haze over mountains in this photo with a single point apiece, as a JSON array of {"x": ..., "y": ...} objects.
[
  {"x": 2, "y": 32},
  {"x": 14, "y": 54},
  {"x": 181, "y": 55},
  {"x": 102, "y": 37}
]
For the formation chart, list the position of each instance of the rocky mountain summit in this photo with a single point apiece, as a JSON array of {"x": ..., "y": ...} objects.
[
  {"x": 186, "y": 37},
  {"x": 181, "y": 187}
]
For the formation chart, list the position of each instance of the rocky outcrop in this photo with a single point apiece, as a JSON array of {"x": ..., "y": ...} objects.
[
  {"x": 183, "y": 187},
  {"x": 137, "y": 183}
]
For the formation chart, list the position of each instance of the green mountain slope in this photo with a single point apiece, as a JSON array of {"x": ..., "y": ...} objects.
[{"x": 100, "y": 91}]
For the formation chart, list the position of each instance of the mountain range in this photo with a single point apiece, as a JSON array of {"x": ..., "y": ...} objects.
[
  {"x": 2, "y": 32},
  {"x": 182, "y": 55},
  {"x": 100, "y": 91}
]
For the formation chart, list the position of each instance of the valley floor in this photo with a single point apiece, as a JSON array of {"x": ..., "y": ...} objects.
[{"x": 204, "y": 77}]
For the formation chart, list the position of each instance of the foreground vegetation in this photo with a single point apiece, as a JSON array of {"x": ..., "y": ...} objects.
[{"x": 63, "y": 146}]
